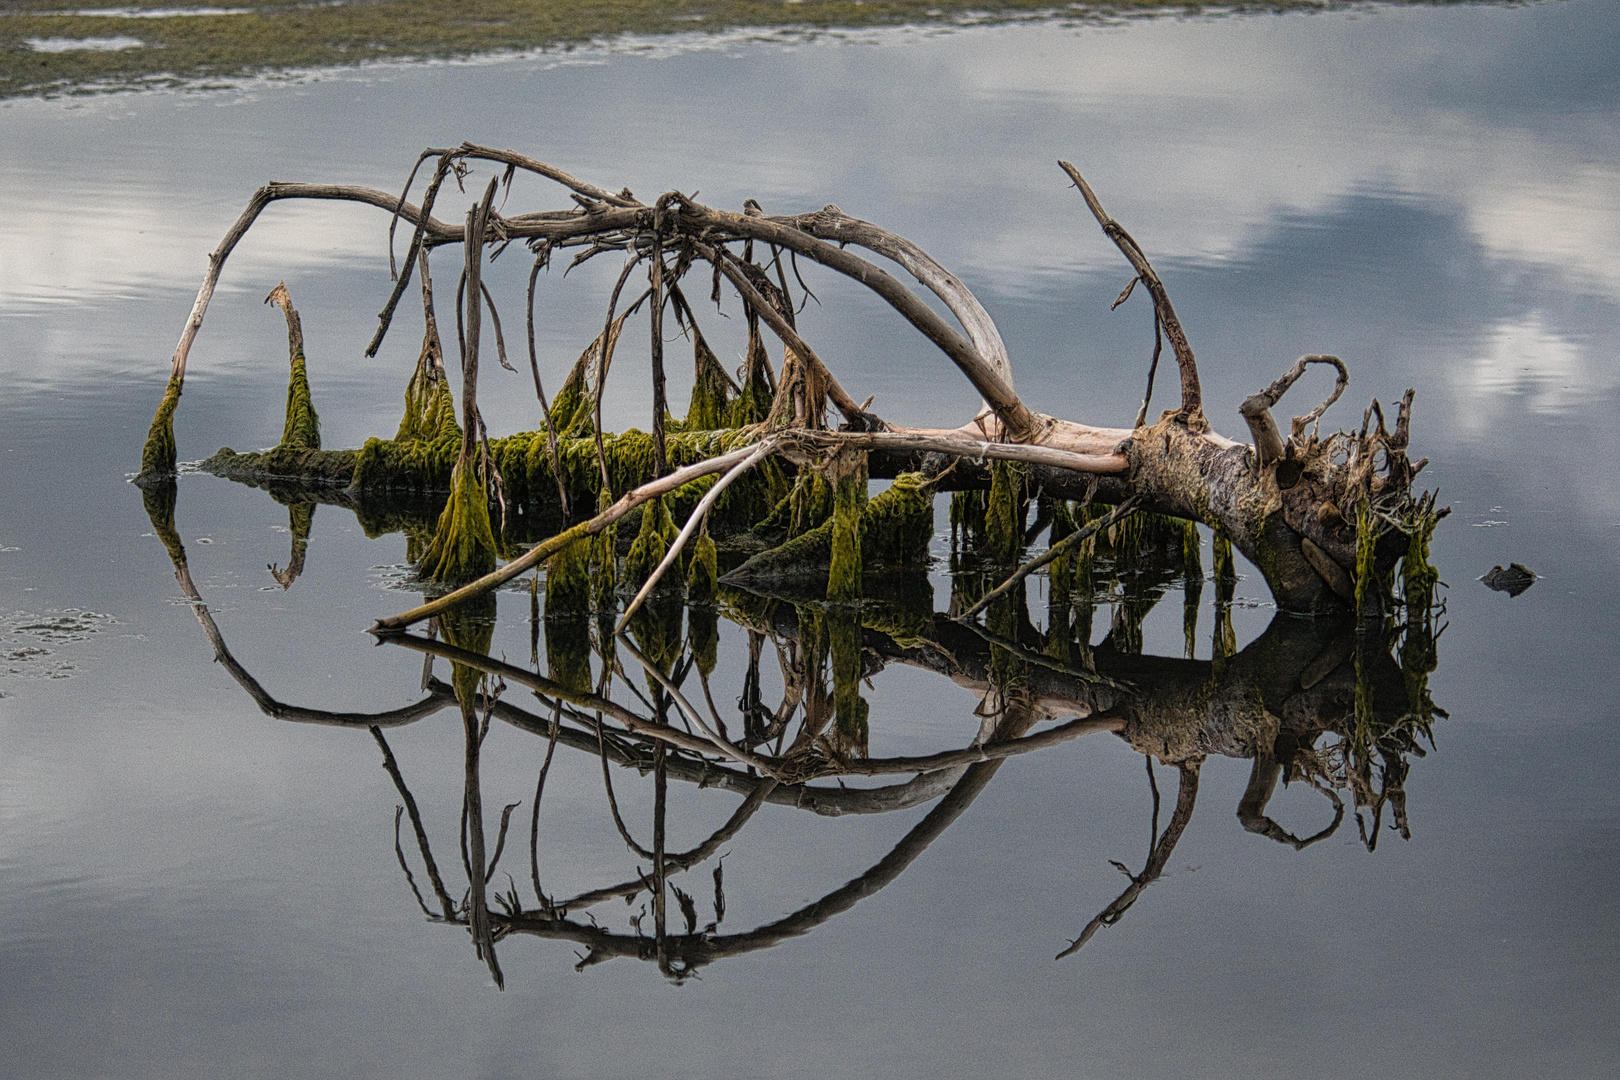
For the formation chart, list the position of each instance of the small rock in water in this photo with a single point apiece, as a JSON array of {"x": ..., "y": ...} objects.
[{"x": 1513, "y": 581}]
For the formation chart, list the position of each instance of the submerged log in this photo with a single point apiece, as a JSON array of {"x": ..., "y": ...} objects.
[{"x": 1324, "y": 520}]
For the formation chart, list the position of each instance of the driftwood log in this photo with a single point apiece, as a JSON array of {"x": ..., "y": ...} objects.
[{"x": 1324, "y": 519}]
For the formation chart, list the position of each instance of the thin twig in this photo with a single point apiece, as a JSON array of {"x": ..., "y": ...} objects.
[
  {"x": 761, "y": 450},
  {"x": 543, "y": 550}
]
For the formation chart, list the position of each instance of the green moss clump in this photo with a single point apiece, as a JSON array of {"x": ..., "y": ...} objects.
[
  {"x": 657, "y": 532},
  {"x": 702, "y": 570},
  {"x": 1418, "y": 575},
  {"x": 844, "y": 560},
  {"x": 810, "y": 503},
  {"x": 1005, "y": 511},
  {"x": 604, "y": 556},
  {"x": 754, "y": 403},
  {"x": 302, "y": 431},
  {"x": 896, "y": 526},
  {"x": 710, "y": 390},
  {"x": 1369, "y": 586},
  {"x": 430, "y": 408},
  {"x": 683, "y": 500},
  {"x": 571, "y": 409},
  {"x": 415, "y": 466},
  {"x": 463, "y": 545},
  {"x": 158, "y": 455}
]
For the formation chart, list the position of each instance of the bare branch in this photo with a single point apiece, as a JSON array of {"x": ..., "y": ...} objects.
[{"x": 1192, "y": 400}]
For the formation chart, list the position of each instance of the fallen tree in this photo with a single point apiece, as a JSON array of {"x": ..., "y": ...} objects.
[{"x": 1324, "y": 519}]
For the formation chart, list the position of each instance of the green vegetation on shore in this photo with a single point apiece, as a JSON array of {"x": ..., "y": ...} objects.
[{"x": 49, "y": 48}]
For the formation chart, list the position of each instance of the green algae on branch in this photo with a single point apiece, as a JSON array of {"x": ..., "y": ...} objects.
[
  {"x": 464, "y": 543},
  {"x": 158, "y": 455},
  {"x": 288, "y": 35}
]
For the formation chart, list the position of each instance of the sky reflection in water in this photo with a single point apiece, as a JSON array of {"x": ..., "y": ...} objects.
[{"x": 191, "y": 886}]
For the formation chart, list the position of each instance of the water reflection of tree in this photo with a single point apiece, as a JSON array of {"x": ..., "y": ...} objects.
[{"x": 1338, "y": 706}]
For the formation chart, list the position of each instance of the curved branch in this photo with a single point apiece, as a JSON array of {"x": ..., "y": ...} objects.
[
  {"x": 986, "y": 378},
  {"x": 1192, "y": 399},
  {"x": 540, "y": 168},
  {"x": 264, "y": 197},
  {"x": 831, "y": 223},
  {"x": 1256, "y": 408}
]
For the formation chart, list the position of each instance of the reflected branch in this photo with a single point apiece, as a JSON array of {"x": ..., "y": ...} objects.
[{"x": 1163, "y": 848}]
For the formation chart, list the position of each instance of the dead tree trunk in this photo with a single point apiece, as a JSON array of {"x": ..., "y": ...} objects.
[{"x": 1323, "y": 519}]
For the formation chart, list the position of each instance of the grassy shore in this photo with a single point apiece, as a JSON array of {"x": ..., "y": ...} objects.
[{"x": 43, "y": 43}]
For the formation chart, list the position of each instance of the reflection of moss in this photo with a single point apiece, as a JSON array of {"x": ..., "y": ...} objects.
[
  {"x": 1005, "y": 511},
  {"x": 282, "y": 34},
  {"x": 656, "y": 626},
  {"x": 967, "y": 519},
  {"x": 159, "y": 500},
  {"x": 568, "y": 580},
  {"x": 703, "y": 634},
  {"x": 568, "y": 653},
  {"x": 469, "y": 625},
  {"x": 850, "y": 710}
]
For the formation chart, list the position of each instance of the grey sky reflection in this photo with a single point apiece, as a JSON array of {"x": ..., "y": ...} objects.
[{"x": 190, "y": 888}]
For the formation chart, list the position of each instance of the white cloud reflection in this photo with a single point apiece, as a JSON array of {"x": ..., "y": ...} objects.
[{"x": 1198, "y": 134}]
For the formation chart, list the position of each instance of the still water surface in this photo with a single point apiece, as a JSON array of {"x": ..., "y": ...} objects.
[{"x": 190, "y": 885}]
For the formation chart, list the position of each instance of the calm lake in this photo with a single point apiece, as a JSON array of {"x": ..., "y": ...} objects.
[{"x": 194, "y": 882}]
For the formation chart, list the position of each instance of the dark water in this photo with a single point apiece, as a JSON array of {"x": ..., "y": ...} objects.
[{"x": 190, "y": 885}]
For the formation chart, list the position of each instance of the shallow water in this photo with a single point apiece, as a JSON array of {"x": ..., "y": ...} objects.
[{"x": 189, "y": 885}]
